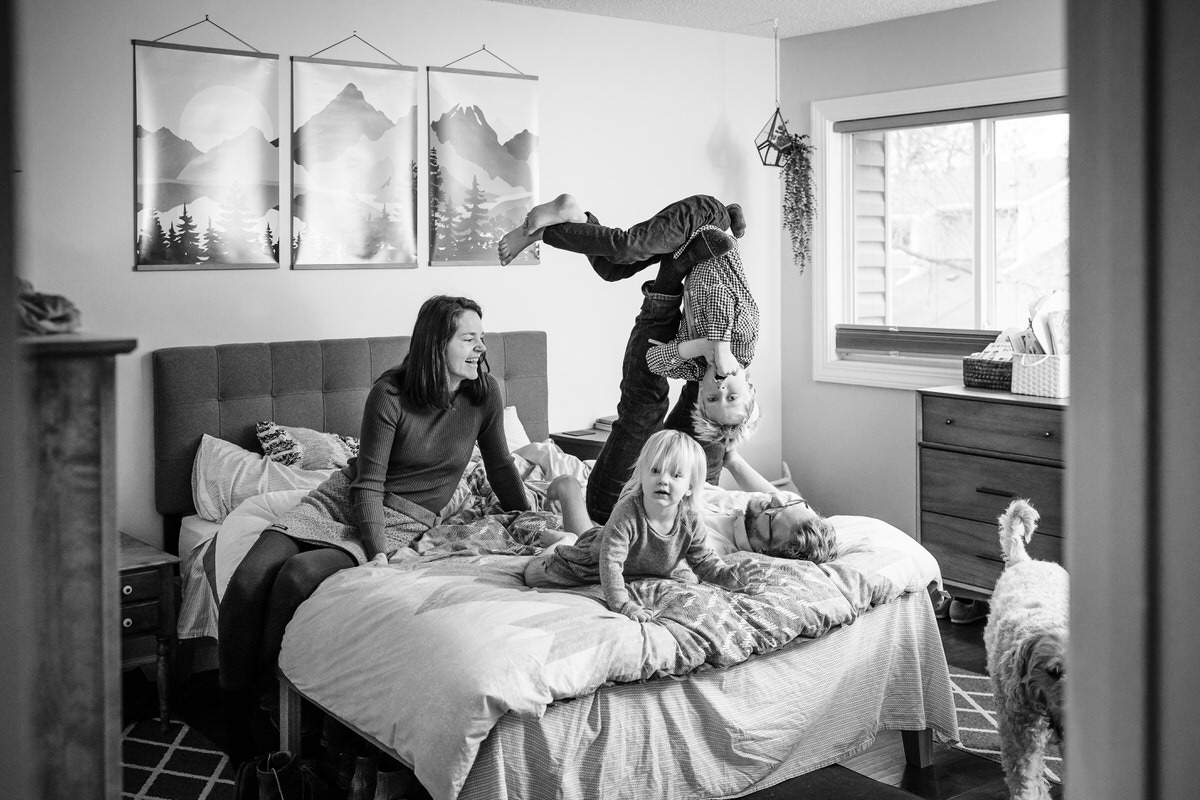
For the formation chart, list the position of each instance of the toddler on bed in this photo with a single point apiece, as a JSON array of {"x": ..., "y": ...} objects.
[{"x": 656, "y": 521}]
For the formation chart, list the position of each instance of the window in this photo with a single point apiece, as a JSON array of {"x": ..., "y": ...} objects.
[{"x": 943, "y": 215}]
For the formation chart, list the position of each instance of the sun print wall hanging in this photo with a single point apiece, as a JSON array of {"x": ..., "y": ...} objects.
[{"x": 206, "y": 159}]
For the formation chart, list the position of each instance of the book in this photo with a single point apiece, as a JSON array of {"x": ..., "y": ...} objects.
[{"x": 605, "y": 423}]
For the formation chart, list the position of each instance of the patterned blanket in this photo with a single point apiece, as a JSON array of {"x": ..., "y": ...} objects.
[{"x": 450, "y": 639}]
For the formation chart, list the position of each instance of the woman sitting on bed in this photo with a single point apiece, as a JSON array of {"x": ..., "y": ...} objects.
[{"x": 420, "y": 424}]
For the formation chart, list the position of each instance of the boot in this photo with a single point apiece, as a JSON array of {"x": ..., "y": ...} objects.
[
  {"x": 362, "y": 785},
  {"x": 709, "y": 243},
  {"x": 279, "y": 777},
  {"x": 393, "y": 785},
  {"x": 737, "y": 220}
]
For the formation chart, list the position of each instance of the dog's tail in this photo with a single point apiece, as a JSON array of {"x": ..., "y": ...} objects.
[{"x": 1017, "y": 525}]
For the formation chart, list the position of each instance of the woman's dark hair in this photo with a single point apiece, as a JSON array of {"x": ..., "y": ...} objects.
[{"x": 421, "y": 376}]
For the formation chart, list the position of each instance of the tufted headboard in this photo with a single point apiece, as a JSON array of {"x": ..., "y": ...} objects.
[{"x": 223, "y": 390}]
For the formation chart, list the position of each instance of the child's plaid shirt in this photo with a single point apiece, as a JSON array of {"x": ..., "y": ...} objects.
[{"x": 718, "y": 306}]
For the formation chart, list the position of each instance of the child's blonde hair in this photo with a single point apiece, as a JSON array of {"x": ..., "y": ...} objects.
[
  {"x": 675, "y": 450},
  {"x": 732, "y": 434}
]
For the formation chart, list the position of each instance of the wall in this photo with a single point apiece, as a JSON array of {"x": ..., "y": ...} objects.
[
  {"x": 632, "y": 116},
  {"x": 853, "y": 448}
]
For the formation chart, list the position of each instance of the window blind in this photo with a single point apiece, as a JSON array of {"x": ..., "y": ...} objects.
[{"x": 950, "y": 115}]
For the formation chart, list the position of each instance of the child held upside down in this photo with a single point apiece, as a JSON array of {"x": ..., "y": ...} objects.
[
  {"x": 714, "y": 340},
  {"x": 656, "y": 521}
]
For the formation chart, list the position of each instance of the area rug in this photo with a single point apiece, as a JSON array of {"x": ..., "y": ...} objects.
[
  {"x": 176, "y": 764},
  {"x": 976, "y": 712}
]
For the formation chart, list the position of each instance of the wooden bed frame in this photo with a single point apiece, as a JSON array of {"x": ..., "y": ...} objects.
[{"x": 223, "y": 390}]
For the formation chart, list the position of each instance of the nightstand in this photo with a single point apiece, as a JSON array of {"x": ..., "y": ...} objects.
[
  {"x": 148, "y": 614},
  {"x": 583, "y": 444}
]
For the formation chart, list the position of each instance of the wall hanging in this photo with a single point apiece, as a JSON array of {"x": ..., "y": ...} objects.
[
  {"x": 354, "y": 163},
  {"x": 483, "y": 161},
  {"x": 206, "y": 163},
  {"x": 777, "y": 147}
]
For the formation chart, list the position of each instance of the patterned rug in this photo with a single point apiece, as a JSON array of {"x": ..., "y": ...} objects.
[
  {"x": 976, "y": 712},
  {"x": 178, "y": 764}
]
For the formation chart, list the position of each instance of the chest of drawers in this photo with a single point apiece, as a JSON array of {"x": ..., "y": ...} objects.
[{"x": 976, "y": 451}]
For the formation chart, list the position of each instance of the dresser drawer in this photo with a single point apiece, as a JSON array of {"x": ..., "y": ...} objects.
[
  {"x": 969, "y": 552},
  {"x": 1020, "y": 430},
  {"x": 980, "y": 488},
  {"x": 139, "y": 618},
  {"x": 139, "y": 585}
]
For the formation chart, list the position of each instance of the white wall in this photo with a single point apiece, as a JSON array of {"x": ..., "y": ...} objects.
[
  {"x": 632, "y": 116},
  {"x": 852, "y": 448}
]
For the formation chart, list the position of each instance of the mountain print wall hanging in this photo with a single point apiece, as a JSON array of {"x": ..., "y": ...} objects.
[
  {"x": 483, "y": 163},
  {"x": 354, "y": 164},
  {"x": 206, "y": 158}
]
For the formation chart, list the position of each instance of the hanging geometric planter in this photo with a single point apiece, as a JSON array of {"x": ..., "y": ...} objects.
[{"x": 773, "y": 141}]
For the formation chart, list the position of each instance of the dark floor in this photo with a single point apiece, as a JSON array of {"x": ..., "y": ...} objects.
[{"x": 880, "y": 773}]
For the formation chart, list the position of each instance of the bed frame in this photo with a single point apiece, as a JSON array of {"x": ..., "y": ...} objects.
[{"x": 223, "y": 390}]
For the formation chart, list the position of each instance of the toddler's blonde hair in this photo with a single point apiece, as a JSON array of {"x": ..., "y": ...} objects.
[
  {"x": 732, "y": 434},
  {"x": 675, "y": 450}
]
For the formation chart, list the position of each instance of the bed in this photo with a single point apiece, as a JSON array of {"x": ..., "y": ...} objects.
[{"x": 548, "y": 695}]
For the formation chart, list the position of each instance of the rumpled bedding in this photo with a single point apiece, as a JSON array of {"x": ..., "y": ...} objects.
[{"x": 426, "y": 654}]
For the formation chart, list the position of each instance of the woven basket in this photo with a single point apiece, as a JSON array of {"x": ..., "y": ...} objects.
[
  {"x": 1040, "y": 375},
  {"x": 987, "y": 373}
]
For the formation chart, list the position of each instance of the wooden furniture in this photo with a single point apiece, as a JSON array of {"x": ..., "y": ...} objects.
[
  {"x": 583, "y": 444},
  {"x": 70, "y": 381},
  {"x": 977, "y": 450},
  {"x": 148, "y": 614}
]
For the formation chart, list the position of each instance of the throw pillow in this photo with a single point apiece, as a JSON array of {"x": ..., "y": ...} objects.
[{"x": 304, "y": 447}]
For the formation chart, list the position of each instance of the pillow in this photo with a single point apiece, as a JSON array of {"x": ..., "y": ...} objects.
[
  {"x": 223, "y": 475},
  {"x": 514, "y": 430},
  {"x": 304, "y": 447}
]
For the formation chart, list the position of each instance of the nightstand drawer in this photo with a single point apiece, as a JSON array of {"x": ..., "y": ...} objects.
[
  {"x": 980, "y": 488},
  {"x": 1000, "y": 427},
  {"x": 139, "y": 618},
  {"x": 139, "y": 585},
  {"x": 969, "y": 552}
]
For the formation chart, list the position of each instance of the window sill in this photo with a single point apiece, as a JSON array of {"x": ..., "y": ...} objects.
[{"x": 889, "y": 372}]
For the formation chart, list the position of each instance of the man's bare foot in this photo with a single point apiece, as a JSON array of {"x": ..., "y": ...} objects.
[
  {"x": 564, "y": 208},
  {"x": 514, "y": 242}
]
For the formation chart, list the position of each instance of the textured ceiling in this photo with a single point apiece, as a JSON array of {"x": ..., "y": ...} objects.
[{"x": 754, "y": 17}]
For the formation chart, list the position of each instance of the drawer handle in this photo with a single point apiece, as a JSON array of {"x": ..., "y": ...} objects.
[
  {"x": 127, "y": 590},
  {"x": 127, "y": 623},
  {"x": 996, "y": 559},
  {"x": 996, "y": 492},
  {"x": 1049, "y": 434},
  {"x": 949, "y": 421}
]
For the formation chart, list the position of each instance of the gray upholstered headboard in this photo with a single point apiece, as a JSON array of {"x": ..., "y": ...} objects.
[{"x": 223, "y": 390}]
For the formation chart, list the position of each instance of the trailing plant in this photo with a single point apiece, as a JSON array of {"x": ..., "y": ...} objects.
[{"x": 799, "y": 197}]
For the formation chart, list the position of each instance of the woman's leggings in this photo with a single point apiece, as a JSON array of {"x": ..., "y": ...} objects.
[{"x": 275, "y": 577}]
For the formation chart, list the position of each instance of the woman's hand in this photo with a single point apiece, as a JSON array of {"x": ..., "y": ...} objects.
[{"x": 379, "y": 560}]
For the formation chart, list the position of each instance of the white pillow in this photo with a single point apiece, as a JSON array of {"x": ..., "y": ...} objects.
[
  {"x": 223, "y": 475},
  {"x": 514, "y": 430}
]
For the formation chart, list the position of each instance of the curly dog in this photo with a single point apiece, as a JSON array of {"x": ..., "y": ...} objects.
[{"x": 1026, "y": 640}]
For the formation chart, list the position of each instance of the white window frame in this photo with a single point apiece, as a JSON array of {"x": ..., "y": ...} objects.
[{"x": 833, "y": 279}]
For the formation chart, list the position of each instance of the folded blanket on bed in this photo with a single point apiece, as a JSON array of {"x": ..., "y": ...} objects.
[{"x": 426, "y": 654}]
